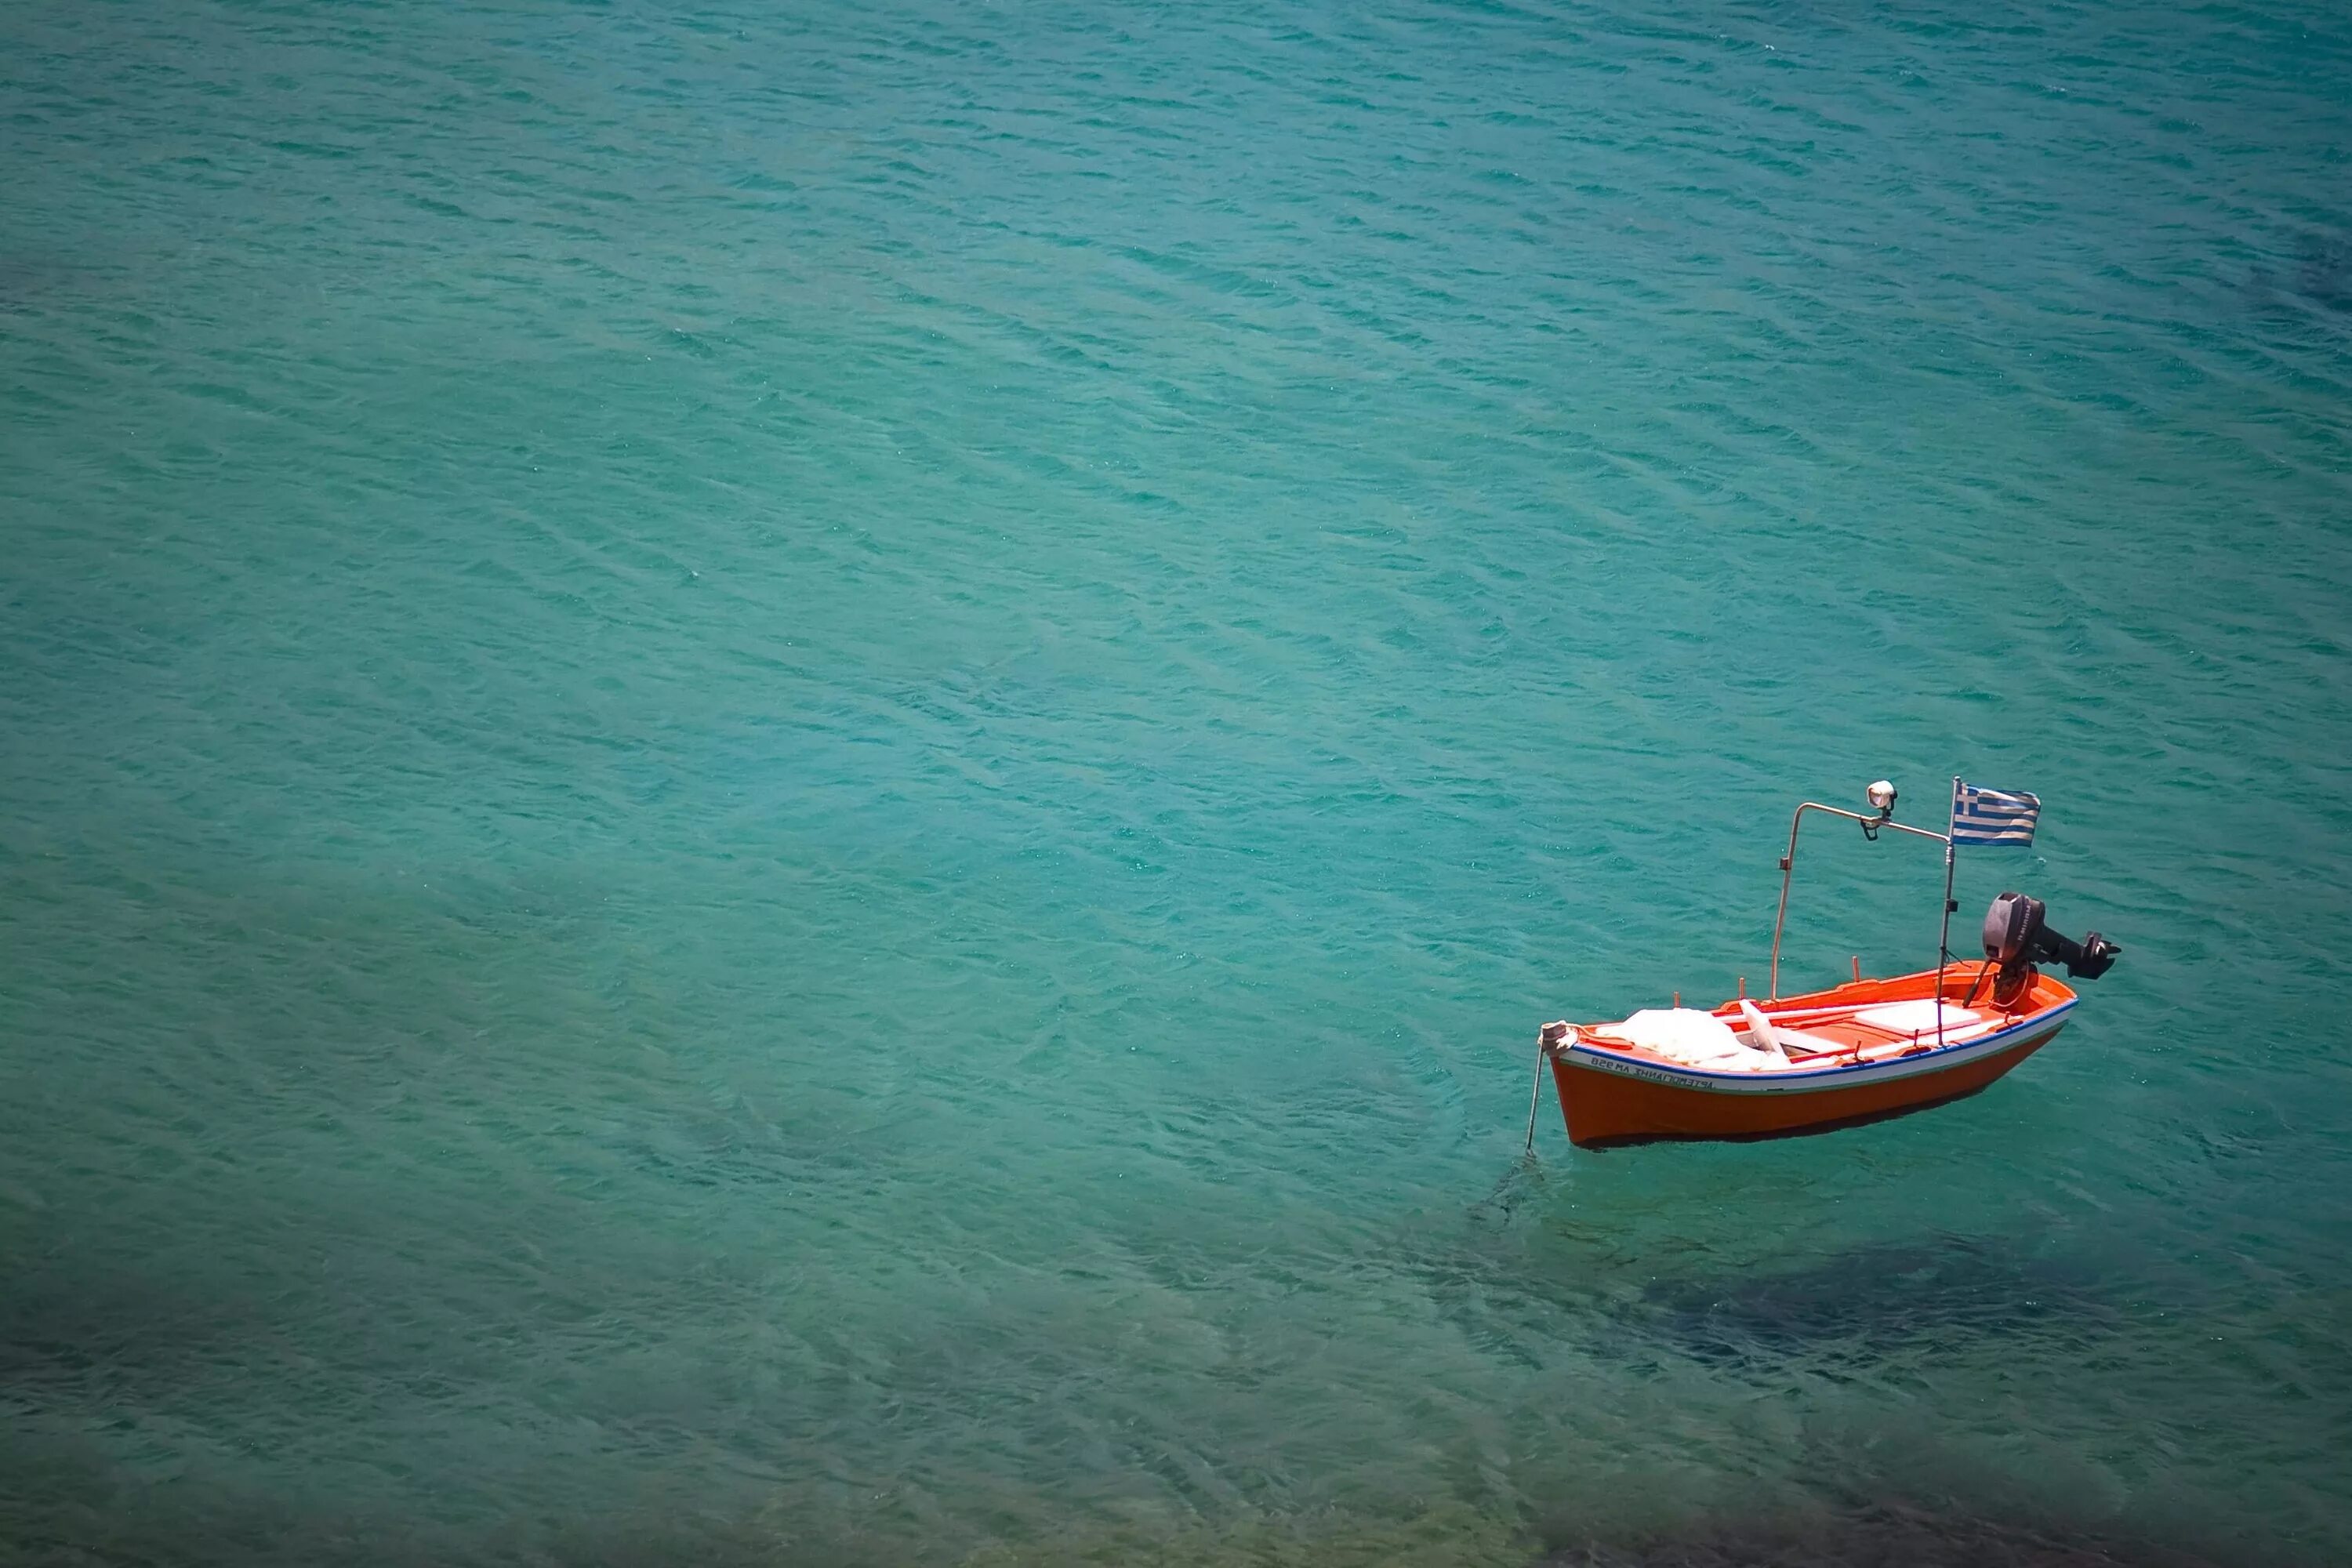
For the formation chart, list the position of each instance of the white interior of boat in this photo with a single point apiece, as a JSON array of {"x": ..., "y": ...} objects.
[
  {"x": 1692, "y": 1037},
  {"x": 1918, "y": 1018}
]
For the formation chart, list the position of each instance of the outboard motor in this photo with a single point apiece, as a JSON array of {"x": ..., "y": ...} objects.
[{"x": 2015, "y": 937}]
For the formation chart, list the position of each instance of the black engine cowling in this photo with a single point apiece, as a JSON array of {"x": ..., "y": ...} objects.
[{"x": 2015, "y": 936}]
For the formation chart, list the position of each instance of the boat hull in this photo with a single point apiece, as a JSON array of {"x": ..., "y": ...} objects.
[{"x": 1612, "y": 1098}]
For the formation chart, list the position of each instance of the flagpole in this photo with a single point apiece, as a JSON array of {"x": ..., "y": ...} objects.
[{"x": 1943, "y": 941}]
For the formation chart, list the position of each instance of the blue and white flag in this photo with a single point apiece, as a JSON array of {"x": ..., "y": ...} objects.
[{"x": 1982, "y": 815}]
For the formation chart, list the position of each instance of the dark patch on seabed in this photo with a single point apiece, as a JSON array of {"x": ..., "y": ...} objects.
[
  {"x": 64, "y": 1511},
  {"x": 2325, "y": 273},
  {"x": 1871, "y": 1294},
  {"x": 2321, "y": 275},
  {"x": 25, "y": 281},
  {"x": 1875, "y": 1537},
  {"x": 1718, "y": 1308}
]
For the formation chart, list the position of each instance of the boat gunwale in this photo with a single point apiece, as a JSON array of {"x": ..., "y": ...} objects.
[{"x": 1908, "y": 1065}]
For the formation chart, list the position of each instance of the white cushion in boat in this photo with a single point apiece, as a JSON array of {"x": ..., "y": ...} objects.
[
  {"x": 1690, "y": 1036},
  {"x": 1761, "y": 1036},
  {"x": 1918, "y": 1018}
]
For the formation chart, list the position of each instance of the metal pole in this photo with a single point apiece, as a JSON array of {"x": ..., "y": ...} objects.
[
  {"x": 1873, "y": 824},
  {"x": 1943, "y": 941},
  {"x": 1787, "y": 868}
]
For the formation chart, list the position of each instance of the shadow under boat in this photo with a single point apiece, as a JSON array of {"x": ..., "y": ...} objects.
[{"x": 1875, "y": 1294}]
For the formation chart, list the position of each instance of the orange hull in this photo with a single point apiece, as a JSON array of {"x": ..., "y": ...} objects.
[{"x": 1612, "y": 1095}]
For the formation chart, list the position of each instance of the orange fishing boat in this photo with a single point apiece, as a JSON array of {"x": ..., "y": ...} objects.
[{"x": 1859, "y": 1052}]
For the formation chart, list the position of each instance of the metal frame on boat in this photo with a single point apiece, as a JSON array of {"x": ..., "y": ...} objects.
[{"x": 1881, "y": 797}]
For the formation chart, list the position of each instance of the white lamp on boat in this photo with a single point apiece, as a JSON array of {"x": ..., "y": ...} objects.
[{"x": 1882, "y": 797}]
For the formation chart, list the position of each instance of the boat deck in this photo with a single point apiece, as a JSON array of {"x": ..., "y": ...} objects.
[{"x": 1865, "y": 1021}]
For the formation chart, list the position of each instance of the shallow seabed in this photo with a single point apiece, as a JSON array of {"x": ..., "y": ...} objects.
[{"x": 796, "y": 783}]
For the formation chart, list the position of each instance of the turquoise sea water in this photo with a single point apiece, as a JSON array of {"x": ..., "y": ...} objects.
[{"x": 796, "y": 783}]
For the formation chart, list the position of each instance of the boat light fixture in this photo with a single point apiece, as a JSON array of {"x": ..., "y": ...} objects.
[{"x": 1882, "y": 797}]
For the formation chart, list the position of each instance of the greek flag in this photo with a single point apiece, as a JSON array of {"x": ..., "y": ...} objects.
[{"x": 1982, "y": 815}]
